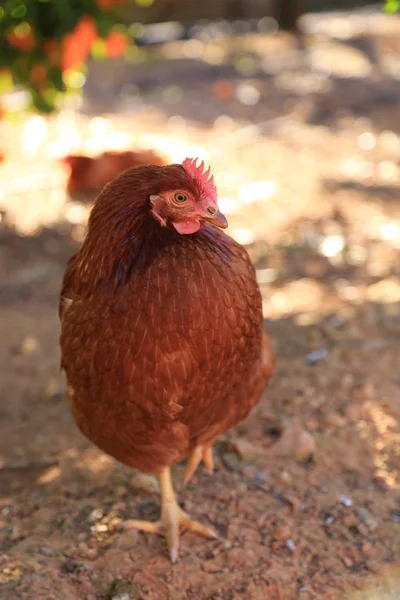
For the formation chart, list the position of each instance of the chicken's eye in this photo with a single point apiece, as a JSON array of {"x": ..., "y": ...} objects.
[{"x": 180, "y": 197}]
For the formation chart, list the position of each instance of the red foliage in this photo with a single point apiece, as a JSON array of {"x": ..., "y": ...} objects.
[
  {"x": 52, "y": 49},
  {"x": 116, "y": 44},
  {"x": 38, "y": 74},
  {"x": 21, "y": 41},
  {"x": 77, "y": 44},
  {"x": 106, "y": 4}
]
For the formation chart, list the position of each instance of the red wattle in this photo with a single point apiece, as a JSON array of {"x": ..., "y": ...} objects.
[{"x": 185, "y": 227}]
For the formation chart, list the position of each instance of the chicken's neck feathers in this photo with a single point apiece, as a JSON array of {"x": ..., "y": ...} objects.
[{"x": 111, "y": 259}]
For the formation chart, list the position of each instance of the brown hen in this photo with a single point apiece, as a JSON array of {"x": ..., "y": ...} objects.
[
  {"x": 162, "y": 332},
  {"x": 88, "y": 175}
]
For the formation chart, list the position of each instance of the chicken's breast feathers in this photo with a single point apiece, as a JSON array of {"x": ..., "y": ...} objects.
[{"x": 170, "y": 357}]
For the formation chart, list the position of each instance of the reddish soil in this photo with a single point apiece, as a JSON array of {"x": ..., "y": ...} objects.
[{"x": 306, "y": 491}]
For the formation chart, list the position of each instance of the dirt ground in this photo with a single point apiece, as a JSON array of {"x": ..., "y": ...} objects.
[{"x": 306, "y": 492}]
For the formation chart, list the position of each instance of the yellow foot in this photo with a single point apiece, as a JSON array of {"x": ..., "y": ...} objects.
[
  {"x": 199, "y": 453},
  {"x": 173, "y": 519}
]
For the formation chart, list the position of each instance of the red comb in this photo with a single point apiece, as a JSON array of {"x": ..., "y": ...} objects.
[{"x": 202, "y": 178}]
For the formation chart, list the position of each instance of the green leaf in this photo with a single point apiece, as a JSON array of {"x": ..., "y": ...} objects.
[
  {"x": 144, "y": 3},
  {"x": 392, "y": 6},
  {"x": 104, "y": 24},
  {"x": 6, "y": 82},
  {"x": 41, "y": 103},
  {"x": 55, "y": 76},
  {"x": 99, "y": 50}
]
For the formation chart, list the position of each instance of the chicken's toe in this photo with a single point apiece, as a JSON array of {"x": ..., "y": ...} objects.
[
  {"x": 173, "y": 518},
  {"x": 196, "y": 527},
  {"x": 146, "y": 526},
  {"x": 198, "y": 454},
  {"x": 192, "y": 464},
  {"x": 177, "y": 520}
]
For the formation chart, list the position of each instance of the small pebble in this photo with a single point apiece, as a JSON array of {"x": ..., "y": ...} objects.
[
  {"x": 290, "y": 545},
  {"x": 121, "y": 589},
  {"x": 350, "y": 520},
  {"x": 119, "y": 507},
  {"x": 333, "y": 419},
  {"x": 281, "y": 533},
  {"x": 285, "y": 477},
  {"x": 29, "y": 345},
  {"x": 223, "y": 495},
  {"x": 294, "y": 502},
  {"x": 54, "y": 389},
  {"x": 346, "y": 501},
  {"x": 231, "y": 461},
  {"x": 329, "y": 519},
  {"x": 347, "y": 562},
  {"x": 127, "y": 540},
  {"x": 296, "y": 443},
  {"x": 374, "y": 567},
  {"x": 315, "y": 356},
  {"x": 366, "y": 516},
  {"x": 262, "y": 477},
  {"x": 91, "y": 553},
  {"x": 363, "y": 529},
  {"x": 95, "y": 515},
  {"x": 144, "y": 483},
  {"x": 248, "y": 472},
  {"x": 71, "y": 566},
  {"x": 248, "y": 451},
  {"x": 367, "y": 548},
  {"x": 99, "y": 528},
  {"x": 371, "y": 523},
  {"x": 396, "y": 516},
  {"x": 211, "y": 567}
]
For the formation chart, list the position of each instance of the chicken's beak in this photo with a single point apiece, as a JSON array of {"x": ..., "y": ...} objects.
[{"x": 215, "y": 217}]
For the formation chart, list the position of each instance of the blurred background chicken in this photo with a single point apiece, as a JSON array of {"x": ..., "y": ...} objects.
[{"x": 88, "y": 175}]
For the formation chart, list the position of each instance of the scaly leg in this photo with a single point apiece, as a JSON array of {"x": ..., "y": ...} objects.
[
  {"x": 173, "y": 518},
  {"x": 208, "y": 459},
  {"x": 199, "y": 453}
]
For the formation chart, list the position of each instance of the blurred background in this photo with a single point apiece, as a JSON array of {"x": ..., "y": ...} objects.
[{"x": 296, "y": 107}]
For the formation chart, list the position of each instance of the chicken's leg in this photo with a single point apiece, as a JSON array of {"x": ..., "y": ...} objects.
[
  {"x": 173, "y": 518},
  {"x": 199, "y": 453}
]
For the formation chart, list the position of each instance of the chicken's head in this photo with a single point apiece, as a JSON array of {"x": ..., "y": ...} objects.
[{"x": 191, "y": 203}]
